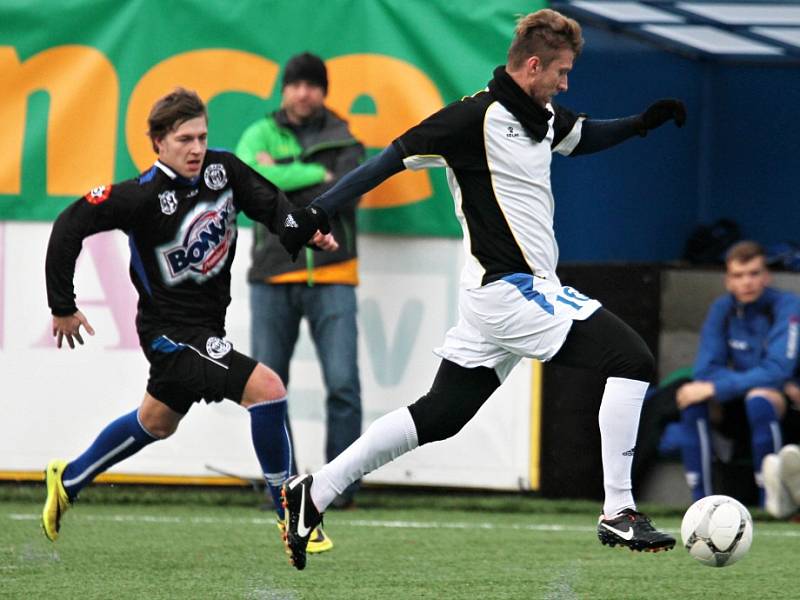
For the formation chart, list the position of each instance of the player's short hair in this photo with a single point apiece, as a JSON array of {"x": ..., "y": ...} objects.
[
  {"x": 543, "y": 33},
  {"x": 170, "y": 111},
  {"x": 744, "y": 251}
]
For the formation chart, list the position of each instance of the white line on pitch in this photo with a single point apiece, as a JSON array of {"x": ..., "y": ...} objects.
[{"x": 396, "y": 524}]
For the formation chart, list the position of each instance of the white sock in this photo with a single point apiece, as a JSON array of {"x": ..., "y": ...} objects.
[
  {"x": 388, "y": 437},
  {"x": 619, "y": 424}
]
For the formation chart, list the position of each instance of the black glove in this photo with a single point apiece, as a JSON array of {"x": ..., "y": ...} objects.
[
  {"x": 659, "y": 112},
  {"x": 300, "y": 226}
]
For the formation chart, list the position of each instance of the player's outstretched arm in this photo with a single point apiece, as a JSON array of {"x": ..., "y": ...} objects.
[
  {"x": 600, "y": 134},
  {"x": 301, "y": 224},
  {"x": 69, "y": 327},
  {"x": 661, "y": 111}
]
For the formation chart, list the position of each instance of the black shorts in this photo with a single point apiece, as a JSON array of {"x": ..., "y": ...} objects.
[{"x": 189, "y": 365}]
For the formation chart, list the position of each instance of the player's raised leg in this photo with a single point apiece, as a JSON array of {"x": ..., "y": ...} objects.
[
  {"x": 455, "y": 396},
  {"x": 384, "y": 440}
]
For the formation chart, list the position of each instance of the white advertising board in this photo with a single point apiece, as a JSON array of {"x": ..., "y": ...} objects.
[{"x": 55, "y": 401}]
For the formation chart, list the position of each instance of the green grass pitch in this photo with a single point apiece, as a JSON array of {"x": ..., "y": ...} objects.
[{"x": 129, "y": 543}]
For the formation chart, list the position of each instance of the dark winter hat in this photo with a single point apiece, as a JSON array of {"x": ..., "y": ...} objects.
[{"x": 306, "y": 67}]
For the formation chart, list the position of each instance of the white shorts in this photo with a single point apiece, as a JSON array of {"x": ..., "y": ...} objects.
[{"x": 519, "y": 315}]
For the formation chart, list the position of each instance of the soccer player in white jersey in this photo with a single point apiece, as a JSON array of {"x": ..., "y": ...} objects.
[{"x": 497, "y": 147}]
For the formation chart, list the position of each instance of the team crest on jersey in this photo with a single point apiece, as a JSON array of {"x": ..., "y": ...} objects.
[
  {"x": 215, "y": 176},
  {"x": 202, "y": 243},
  {"x": 98, "y": 194},
  {"x": 217, "y": 347},
  {"x": 169, "y": 202}
]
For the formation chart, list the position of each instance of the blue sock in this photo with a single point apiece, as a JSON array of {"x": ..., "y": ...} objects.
[
  {"x": 765, "y": 434},
  {"x": 119, "y": 440},
  {"x": 696, "y": 450},
  {"x": 271, "y": 442}
]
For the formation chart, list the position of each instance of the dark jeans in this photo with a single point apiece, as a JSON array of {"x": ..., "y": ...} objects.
[{"x": 276, "y": 312}]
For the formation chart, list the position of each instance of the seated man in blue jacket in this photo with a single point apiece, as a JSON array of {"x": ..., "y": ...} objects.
[{"x": 748, "y": 351}]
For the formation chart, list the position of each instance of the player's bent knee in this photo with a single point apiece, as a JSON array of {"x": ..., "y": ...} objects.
[
  {"x": 160, "y": 426},
  {"x": 433, "y": 420},
  {"x": 456, "y": 395},
  {"x": 643, "y": 365},
  {"x": 160, "y": 431},
  {"x": 764, "y": 392},
  {"x": 692, "y": 413},
  {"x": 158, "y": 419},
  {"x": 635, "y": 362},
  {"x": 264, "y": 385},
  {"x": 771, "y": 395}
]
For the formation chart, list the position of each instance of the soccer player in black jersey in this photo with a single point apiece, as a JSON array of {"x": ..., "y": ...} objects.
[
  {"x": 497, "y": 147},
  {"x": 180, "y": 219}
]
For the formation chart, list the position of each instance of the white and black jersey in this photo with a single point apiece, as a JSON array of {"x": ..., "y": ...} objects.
[
  {"x": 182, "y": 237},
  {"x": 499, "y": 175}
]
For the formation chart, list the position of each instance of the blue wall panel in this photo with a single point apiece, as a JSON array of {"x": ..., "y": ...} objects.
[{"x": 736, "y": 157}]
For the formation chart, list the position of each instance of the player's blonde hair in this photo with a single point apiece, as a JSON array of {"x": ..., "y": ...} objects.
[
  {"x": 543, "y": 33},
  {"x": 170, "y": 111}
]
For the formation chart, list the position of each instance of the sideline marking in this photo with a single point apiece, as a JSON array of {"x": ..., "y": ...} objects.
[{"x": 396, "y": 524}]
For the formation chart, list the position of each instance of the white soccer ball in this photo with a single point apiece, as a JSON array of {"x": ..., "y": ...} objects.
[{"x": 717, "y": 531}]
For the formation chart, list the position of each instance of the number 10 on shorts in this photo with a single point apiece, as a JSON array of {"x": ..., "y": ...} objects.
[{"x": 572, "y": 297}]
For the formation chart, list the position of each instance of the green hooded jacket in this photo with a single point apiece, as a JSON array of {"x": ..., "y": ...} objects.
[{"x": 302, "y": 156}]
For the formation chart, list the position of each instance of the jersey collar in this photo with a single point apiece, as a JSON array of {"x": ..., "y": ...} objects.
[{"x": 179, "y": 179}]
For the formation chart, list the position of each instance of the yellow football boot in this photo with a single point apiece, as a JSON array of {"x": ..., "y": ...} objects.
[
  {"x": 318, "y": 542},
  {"x": 57, "y": 501}
]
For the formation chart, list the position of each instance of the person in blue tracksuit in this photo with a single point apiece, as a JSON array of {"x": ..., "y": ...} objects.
[{"x": 747, "y": 354}]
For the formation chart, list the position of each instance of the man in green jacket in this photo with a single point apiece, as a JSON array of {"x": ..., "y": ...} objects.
[{"x": 304, "y": 148}]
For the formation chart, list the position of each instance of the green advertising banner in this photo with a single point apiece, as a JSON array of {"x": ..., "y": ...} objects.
[{"x": 78, "y": 79}]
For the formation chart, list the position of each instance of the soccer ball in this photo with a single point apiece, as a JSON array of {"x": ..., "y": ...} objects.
[{"x": 717, "y": 531}]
